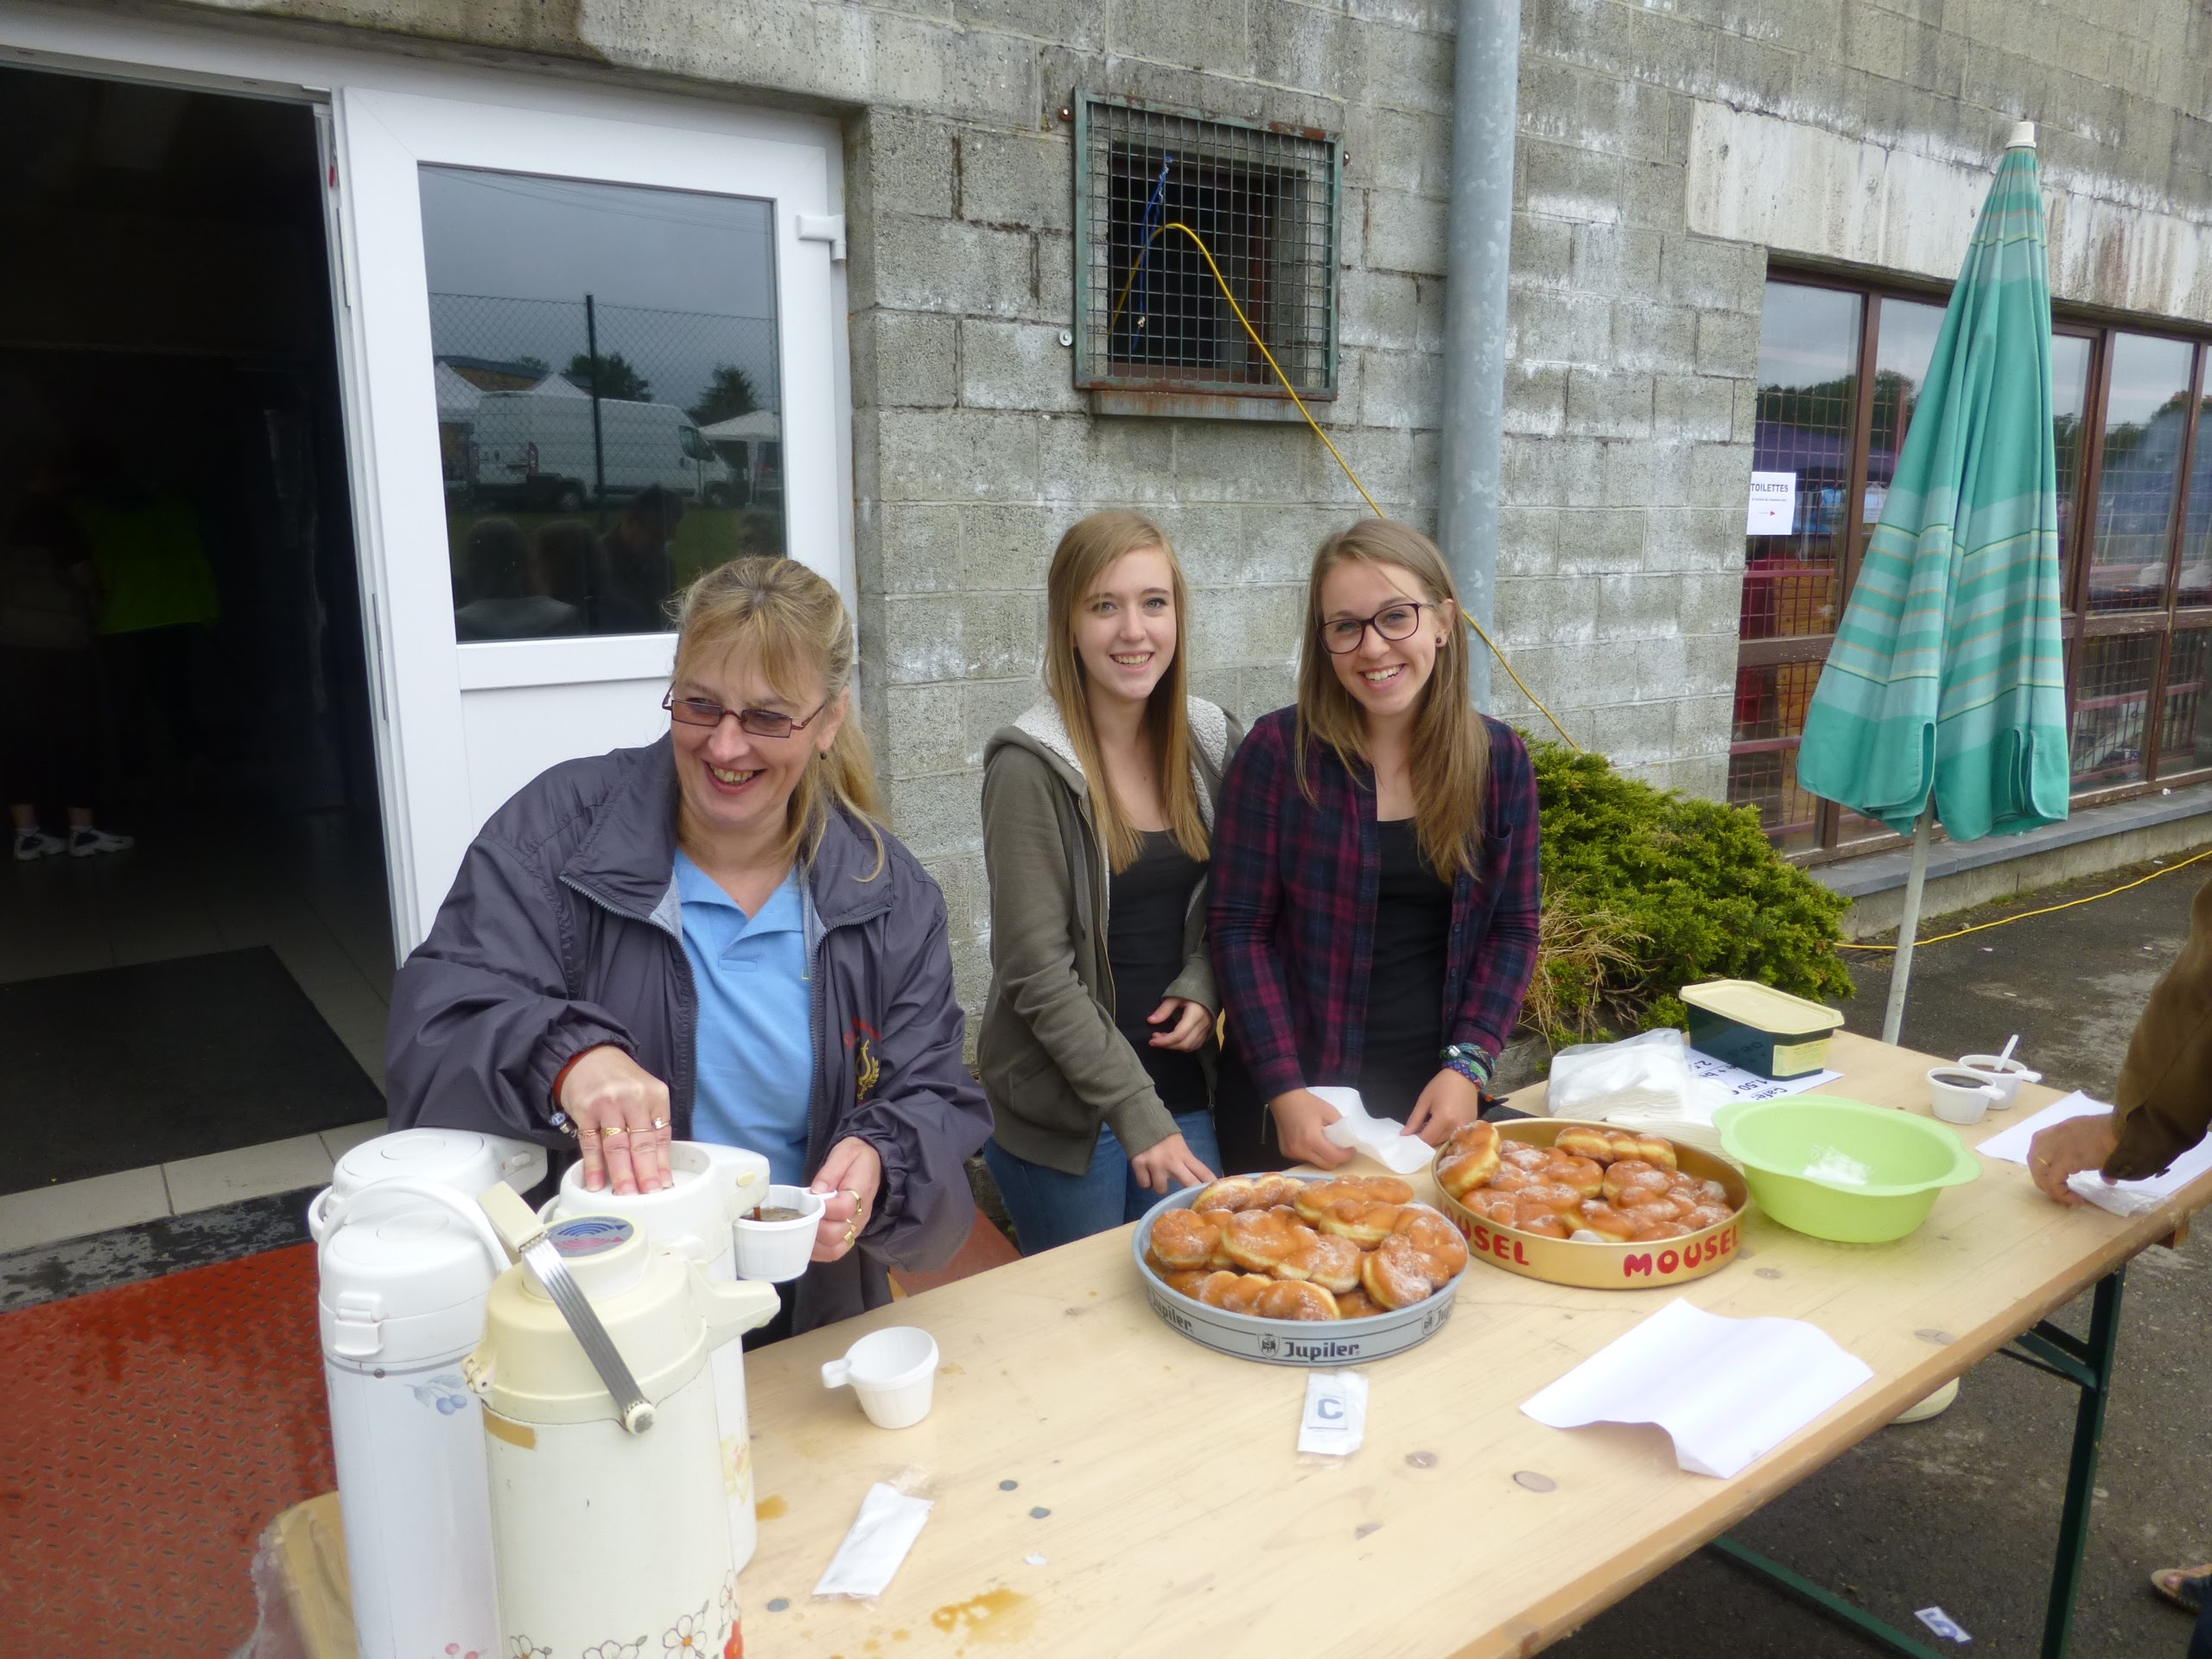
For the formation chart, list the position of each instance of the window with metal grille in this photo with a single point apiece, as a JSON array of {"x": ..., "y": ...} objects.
[{"x": 1157, "y": 330}]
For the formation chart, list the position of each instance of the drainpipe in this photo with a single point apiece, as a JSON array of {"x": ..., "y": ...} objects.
[{"x": 1486, "y": 104}]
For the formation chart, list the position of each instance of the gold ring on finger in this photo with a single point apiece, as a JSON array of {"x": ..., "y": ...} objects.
[{"x": 613, "y": 1129}]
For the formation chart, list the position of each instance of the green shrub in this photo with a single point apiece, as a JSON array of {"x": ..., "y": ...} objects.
[{"x": 1684, "y": 889}]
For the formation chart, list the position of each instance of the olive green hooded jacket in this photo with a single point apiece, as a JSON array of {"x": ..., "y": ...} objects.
[{"x": 1051, "y": 1061}]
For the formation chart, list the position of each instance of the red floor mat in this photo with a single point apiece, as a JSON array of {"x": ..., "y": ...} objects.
[{"x": 152, "y": 1431}]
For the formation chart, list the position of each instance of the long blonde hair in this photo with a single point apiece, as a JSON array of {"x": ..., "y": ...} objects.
[
  {"x": 792, "y": 622},
  {"x": 1450, "y": 750},
  {"x": 1091, "y": 548}
]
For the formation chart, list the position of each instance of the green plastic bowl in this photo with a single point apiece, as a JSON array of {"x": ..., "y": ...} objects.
[{"x": 1840, "y": 1169}]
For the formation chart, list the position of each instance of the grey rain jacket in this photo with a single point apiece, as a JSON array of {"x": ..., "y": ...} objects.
[{"x": 563, "y": 930}]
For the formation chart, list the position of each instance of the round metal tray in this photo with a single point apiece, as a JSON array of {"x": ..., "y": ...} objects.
[
  {"x": 1607, "y": 1266},
  {"x": 1288, "y": 1342}
]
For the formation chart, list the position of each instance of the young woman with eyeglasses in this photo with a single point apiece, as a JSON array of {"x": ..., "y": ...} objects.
[
  {"x": 1374, "y": 897},
  {"x": 1097, "y": 1044},
  {"x": 712, "y": 939}
]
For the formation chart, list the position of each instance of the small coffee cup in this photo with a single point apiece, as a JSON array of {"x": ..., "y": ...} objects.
[
  {"x": 892, "y": 1370},
  {"x": 2007, "y": 1074},
  {"x": 778, "y": 1251},
  {"x": 1958, "y": 1096}
]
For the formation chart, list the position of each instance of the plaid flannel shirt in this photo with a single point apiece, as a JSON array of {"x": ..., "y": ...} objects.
[{"x": 1292, "y": 910}]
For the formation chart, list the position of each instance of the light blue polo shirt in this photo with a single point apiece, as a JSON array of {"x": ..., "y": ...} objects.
[{"x": 755, "y": 1055}]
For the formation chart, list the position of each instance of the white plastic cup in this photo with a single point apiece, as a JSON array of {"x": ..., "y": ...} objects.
[
  {"x": 2005, "y": 1076},
  {"x": 894, "y": 1370},
  {"x": 778, "y": 1251},
  {"x": 1958, "y": 1096}
]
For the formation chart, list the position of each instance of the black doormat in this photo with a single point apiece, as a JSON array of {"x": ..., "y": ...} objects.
[{"x": 123, "y": 1067}]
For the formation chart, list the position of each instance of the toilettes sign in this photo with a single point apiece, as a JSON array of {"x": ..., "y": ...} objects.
[{"x": 1774, "y": 505}]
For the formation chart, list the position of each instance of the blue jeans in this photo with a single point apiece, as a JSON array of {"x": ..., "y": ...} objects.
[
  {"x": 2199, "y": 1641},
  {"x": 1050, "y": 1207}
]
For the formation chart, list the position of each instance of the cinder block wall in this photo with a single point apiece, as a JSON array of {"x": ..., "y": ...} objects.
[
  {"x": 1668, "y": 155},
  {"x": 973, "y": 453},
  {"x": 1858, "y": 132}
]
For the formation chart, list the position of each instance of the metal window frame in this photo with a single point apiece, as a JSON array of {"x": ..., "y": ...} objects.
[
  {"x": 1169, "y": 395},
  {"x": 2076, "y": 550}
]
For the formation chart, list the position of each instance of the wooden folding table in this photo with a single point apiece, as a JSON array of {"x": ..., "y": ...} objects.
[{"x": 1105, "y": 1486}]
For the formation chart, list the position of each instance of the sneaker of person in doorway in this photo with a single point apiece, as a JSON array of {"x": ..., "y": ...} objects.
[
  {"x": 85, "y": 842},
  {"x": 36, "y": 844}
]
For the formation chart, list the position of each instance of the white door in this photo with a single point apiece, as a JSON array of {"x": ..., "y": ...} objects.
[{"x": 551, "y": 313}]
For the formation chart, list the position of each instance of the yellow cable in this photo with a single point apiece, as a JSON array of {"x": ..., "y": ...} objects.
[
  {"x": 1206, "y": 253},
  {"x": 2006, "y": 921}
]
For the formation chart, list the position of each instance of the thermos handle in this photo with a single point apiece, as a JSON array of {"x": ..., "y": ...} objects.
[
  {"x": 525, "y": 1235},
  {"x": 330, "y": 1210}
]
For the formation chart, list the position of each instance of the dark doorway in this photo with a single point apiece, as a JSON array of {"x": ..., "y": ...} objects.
[{"x": 172, "y": 456}]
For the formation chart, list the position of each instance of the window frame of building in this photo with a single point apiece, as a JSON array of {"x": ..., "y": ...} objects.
[
  {"x": 2166, "y": 622},
  {"x": 1302, "y": 166}
]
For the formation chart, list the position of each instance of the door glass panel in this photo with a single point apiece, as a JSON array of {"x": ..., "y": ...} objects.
[
  {"x": 2111, "y": 694},
  {"x": 605, "y": 365},
  {"x": 1808, "y": 388},
  {"x": 1907, "y": 341},
  {"x": 2070, "y": 403},
  {"x": 2185, "y": 734},
  {"x": 2145, "y": 417},
  {"x": 1770, "y": 704},
  {"x": 2196, "y": 584}
]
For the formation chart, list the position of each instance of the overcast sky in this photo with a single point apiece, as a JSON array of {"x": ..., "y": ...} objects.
[{"x": 682, "y": 281}]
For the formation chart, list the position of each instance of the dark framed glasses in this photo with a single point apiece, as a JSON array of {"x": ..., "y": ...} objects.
[
  {"x": 756, "y": 723},
  {"x": 1393, "y": 622}
]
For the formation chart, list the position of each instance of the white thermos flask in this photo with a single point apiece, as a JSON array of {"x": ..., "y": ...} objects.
[{"x": 610, "y": 1529}]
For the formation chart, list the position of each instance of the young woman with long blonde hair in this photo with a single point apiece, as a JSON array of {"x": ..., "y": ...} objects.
[
  {"x": 1374, "y": 892},
  {"x": 1097, "y": 1045}
]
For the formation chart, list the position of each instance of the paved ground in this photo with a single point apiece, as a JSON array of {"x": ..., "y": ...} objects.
[{"x": 1962, "y": 1511}]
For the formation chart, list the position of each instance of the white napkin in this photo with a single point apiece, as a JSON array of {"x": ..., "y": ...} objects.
[
  {"x": 1727, "y": 1390},
  {"x": 1335, "y": 1419},
  {"x": 1382, "y": 1139},
  {"x": 1739, "y": 1085},
  {"x": 2121, "y": 1197},
  {"x": 889, "y": 1522}
]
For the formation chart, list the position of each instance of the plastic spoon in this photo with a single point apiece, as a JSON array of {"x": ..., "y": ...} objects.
[{"x": 2011, "y": 1043}]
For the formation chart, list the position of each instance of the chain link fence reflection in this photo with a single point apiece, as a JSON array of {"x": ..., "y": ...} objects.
[{"x": 596, "y": 458}]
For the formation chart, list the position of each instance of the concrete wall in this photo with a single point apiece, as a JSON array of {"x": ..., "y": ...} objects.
[
  {"x": 973, "y": 453},
  {"x": 1666, "y": 151}
]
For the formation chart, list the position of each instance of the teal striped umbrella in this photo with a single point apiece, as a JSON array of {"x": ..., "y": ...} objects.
[{"x": 1945, "y": 693}]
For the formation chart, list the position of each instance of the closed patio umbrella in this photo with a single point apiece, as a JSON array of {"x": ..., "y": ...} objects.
[{"x": 1945, "y": 693}]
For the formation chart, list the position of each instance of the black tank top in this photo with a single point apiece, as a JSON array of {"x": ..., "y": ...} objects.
[
  {"x": 1147, "y": 903},
  {"x": 1404, "y": 1022}
]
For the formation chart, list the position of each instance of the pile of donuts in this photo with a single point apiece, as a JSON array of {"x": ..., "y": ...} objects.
[
  {"x": 1278, "y": 1248},
  {"x": 1593, "y": 1185}
]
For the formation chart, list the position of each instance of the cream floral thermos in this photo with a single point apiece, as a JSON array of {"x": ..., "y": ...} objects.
[{"x": 610, "y": 1544}]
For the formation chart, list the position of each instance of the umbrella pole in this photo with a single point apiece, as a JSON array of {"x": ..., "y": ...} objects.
[{"x": 1908, "y": 925}]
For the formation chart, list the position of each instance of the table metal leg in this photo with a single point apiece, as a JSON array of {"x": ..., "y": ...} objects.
[
  {"x": 2088, "y": 1365},
  {"x": 1827, "y": 1601},
  {"x": 2091, "y": 1370}
]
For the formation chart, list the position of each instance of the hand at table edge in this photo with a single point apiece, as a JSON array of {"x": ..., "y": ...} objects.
[{"x": 2067, "y": 1149}]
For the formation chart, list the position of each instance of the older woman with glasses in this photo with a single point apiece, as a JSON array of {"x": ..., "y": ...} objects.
[{"x": 712, "y": 939}]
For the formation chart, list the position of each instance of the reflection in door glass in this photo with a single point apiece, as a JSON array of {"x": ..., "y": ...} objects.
[
  {"x": 1808, "y": 388},
  {"x": 2146, "y": 413},
  {"x": 605, "y": 363}
]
